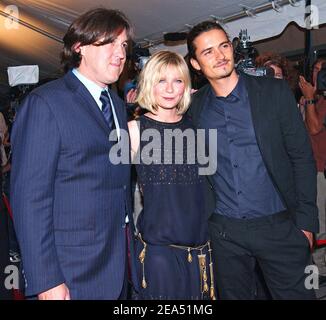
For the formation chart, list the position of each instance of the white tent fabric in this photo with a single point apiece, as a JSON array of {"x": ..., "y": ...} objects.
[
  {"x": 270, "y": 23},
  {"x": 21, "y": 45}
]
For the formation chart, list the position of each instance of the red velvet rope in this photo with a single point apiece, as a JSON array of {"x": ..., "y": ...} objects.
[{"x": 321, "y": 243}]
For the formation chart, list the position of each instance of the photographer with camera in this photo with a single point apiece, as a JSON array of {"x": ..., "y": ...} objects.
[
  {"x": 314, "y": 102},
  {"x": 276, "y": 62}
]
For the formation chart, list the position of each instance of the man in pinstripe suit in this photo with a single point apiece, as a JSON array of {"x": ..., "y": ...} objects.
[{"x": 69, "y": 201}]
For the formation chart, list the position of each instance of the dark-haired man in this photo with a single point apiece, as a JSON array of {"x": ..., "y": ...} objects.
[
  {"x": 69, "y": 201},
  {"x": 265, "y": 184}
]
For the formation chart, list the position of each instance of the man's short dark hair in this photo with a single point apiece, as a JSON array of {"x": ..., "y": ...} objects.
[
  {"x": 198, "y": 30},
  {"x": 92, "y": 26}
]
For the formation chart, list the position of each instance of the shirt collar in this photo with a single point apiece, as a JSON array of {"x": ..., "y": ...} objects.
[
  {"x": 94, "y": 89},
  {"x": 238, "y": 92}
]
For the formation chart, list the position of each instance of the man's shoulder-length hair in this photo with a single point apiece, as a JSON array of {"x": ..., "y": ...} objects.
[{"x": 95, "y": 25}]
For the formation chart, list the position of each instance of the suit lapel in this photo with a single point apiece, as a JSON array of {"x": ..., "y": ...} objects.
[
  {"x": 259, "y": 120},
  {"x": 86, "y": 100},
  {"x": 254, "y": 94},
  {"x": 197, "y": 105},
  {"x": 91, "y": 106}
]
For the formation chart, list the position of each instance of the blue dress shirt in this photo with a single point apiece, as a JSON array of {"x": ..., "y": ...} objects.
[{"x": 243, "y": 187}]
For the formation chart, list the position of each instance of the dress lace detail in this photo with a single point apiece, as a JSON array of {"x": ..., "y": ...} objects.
[{"x": 171, "y": 165}]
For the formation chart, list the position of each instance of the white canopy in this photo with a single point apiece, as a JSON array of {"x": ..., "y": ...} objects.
[{"x": 37, "y": 38}]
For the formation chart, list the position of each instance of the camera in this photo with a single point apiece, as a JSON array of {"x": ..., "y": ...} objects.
[
  {"x": 140, "y": 56},
  {"x": 245, "y": 55}
]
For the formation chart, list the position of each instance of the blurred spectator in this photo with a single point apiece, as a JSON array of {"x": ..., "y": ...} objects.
[
  {"x": 310, "y": 94},
  {"x": 4, "y": 135},
  {"x": 275, "y": 61},
  {"x": 5, "y": 294},
  {"x": 127, "y": 78},
  {"x": 283, "y": 69},
  {"x": 314, "y": 105},
  {"x": 127, "y": 84}
]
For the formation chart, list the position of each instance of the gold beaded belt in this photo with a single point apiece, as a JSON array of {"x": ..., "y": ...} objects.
[{"x": 201, "y": 260}]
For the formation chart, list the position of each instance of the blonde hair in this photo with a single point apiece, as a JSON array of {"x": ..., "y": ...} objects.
[{"x": 151, "y": 75}]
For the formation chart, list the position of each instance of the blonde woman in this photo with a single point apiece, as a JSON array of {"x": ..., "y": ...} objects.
[{"x": 172, "y": 248}]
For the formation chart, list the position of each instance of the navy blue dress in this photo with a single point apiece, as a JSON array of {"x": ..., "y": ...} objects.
[{"x": 173, "y": 220}]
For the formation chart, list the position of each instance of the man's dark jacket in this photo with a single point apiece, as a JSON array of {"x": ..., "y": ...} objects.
[{"x": 283, "y": 142}]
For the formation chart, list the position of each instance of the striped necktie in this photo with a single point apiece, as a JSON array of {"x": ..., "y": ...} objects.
[{"x": 107, "y": 109}]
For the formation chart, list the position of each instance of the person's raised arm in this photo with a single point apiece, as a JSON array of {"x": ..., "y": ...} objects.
[{"x": 314, "y": 125}]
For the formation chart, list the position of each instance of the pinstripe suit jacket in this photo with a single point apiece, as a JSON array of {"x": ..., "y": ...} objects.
[{"x": 69, "y": 201}]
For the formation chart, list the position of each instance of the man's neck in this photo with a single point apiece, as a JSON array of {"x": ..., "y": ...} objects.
[
  {"x": 83, "y": 71},
  {"x": 224, "y": 86}
]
